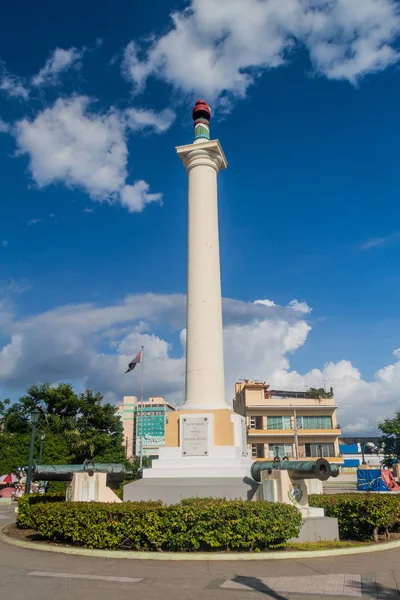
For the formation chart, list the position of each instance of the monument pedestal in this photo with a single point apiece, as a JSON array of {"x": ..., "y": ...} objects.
[{"x": 205, "y": 455}]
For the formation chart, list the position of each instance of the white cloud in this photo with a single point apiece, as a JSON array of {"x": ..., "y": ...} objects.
[
  {"x": 4, "y": 243},
  {"x": 136, "y": 197},
  {"x": 139, "y": 119},
  {"x": 70, "y": 144},
  {"x": 265, "y": 302},
  {"x": 13, "y": 87},
  {"x": 35, "y": 221},
  {"x": 216, "y": 47},
  {"x": 93, "y": 345},
  {"x": 380, "y": 241},
  {"x": 4, "y": 127},
  {"x": 60, "y": 61},
  {"x": 301, "y": 307}
]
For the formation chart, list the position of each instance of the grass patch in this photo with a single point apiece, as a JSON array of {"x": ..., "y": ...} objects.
[{"x": 324, "y": 545}]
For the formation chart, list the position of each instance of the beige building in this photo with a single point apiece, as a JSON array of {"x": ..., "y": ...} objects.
[
  {"x": 144, "y": 424},
  {"x": 299, "y": 425}
]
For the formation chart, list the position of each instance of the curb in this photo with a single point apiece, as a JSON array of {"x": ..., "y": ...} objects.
[{"x": 189, "y": 556}]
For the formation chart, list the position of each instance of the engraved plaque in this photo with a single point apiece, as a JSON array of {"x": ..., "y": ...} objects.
[{"x": 194, "y": 436}]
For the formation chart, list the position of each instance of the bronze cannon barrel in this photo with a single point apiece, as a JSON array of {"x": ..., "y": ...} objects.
[
  {"x": 299, "y": 469},
  {"x": 116, "y": 473}
]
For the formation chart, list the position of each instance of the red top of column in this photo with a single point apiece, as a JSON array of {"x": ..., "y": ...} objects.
[{"x": 201, "y": 110}]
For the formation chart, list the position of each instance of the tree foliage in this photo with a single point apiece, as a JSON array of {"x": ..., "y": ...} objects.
[
  {"x": 391, "y": 438},
  {"x": 77, "y": 427},
  {"x": 319, "y": 393}
]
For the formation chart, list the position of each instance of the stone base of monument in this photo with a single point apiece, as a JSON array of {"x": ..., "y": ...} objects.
[
  {"x": 172, "y": 491},
  {"x": 318, "y": 529},
  {"x": 206, "y": 456},
  {"x": 221, "y": 461}
]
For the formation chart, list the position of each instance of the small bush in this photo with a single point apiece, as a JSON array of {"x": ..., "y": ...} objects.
[
  {"x": 25, "y": 504},
  {"x": 361, "y": 516},
  {"x": 193, "y": 525},
  {"x": 56, "y": 487}
]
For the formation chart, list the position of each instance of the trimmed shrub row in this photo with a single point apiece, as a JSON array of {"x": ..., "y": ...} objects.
[
  {"x": 361, "y": 516},
  {"x": 193, "y": 525},
  {"x": 25, "y": 504}
]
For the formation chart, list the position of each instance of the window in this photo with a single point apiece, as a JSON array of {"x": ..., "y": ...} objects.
[
  {"x": 257, "y": 451},
  {"x": 316, "y": 422},
  {"x": 317, "y": 450},
  {"x": 256, "y": 423},
  {"x": 283, "y": 450},
  {"x": 279, "y": 423}
]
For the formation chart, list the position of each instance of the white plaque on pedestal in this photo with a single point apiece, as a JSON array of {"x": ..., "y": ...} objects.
[{"x": 194, "y": 436}]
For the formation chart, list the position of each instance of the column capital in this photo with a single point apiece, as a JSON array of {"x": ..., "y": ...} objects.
[{"x": 207, "y": 153}]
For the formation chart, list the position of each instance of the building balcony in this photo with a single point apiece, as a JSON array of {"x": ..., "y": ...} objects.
[
  {"x": 290, "y": 433},
  {"x": 338, "y": 460}
]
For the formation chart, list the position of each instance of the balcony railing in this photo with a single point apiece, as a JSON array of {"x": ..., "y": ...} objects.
[
  {"x": 300, "y": 431},
  {"x": 271, "y": 454}
]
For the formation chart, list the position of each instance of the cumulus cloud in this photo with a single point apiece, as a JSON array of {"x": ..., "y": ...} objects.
[
  {"x": 70, "y": 338},
  {"x": 139, "y": 119},
  {"x": 68, "y": 143},
  {"x": 93, "y": 345},
  {"x": 265, "y": 302},
  {"x": 71, "y": 144},
  {"x": 60, "y": 61},
  {"x": 222, "y": 47},
  {"x": 136, "y": 197},
  {"x": 13, "y": 86},
  {"x": 301, "y": 307}
]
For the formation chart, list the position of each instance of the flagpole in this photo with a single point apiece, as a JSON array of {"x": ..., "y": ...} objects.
[{"x": 141, "y": 408}]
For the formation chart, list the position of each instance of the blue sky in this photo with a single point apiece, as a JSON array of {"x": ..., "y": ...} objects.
[{"x": 93, "y": 100}]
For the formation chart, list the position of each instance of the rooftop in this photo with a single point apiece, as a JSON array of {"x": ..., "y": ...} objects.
[{"x": 311, "y": 393}]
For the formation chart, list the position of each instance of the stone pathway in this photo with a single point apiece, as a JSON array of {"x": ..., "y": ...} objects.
[{"x": 334, "y": 585}]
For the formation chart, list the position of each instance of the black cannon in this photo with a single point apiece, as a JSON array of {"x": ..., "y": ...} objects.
[
  {"x": 298, "y": 469},
  {"x": 115, "y": 473}
]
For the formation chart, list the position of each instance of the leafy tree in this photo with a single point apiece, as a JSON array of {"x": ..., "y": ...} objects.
[
  {"x": 77, "y": 427},
  {"x": 4, "y": 407},
  {"x": 391, "y": 438},
  {"x": 14, "y": 451}
]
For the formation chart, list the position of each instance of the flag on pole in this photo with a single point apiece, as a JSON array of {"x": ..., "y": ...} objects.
[{"x": 135, "y": 361}]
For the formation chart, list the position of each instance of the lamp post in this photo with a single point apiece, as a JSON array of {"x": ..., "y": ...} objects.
[
  {"x": 363, "y": 453},
  {"x": 42, "y": 436},
  {"x": 35, "y": 414}
]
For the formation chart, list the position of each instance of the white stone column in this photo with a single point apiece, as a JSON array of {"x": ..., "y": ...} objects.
[{"x": 205, "y": 387}]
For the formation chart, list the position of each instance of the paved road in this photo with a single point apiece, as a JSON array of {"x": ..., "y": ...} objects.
[{"x": 33, "y": 575}]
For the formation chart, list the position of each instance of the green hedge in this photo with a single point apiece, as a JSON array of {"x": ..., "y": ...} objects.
[
  {"x": 193, "y": 525},
  {"x": 361, "y": 516},
  {"x": 25, "y": 504}
]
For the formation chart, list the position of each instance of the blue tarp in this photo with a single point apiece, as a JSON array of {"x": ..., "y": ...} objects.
[
  {"x": 370, "y": 480},
  {"x": 351, "y": 462},
  {"x": 352, "y": 449}
]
